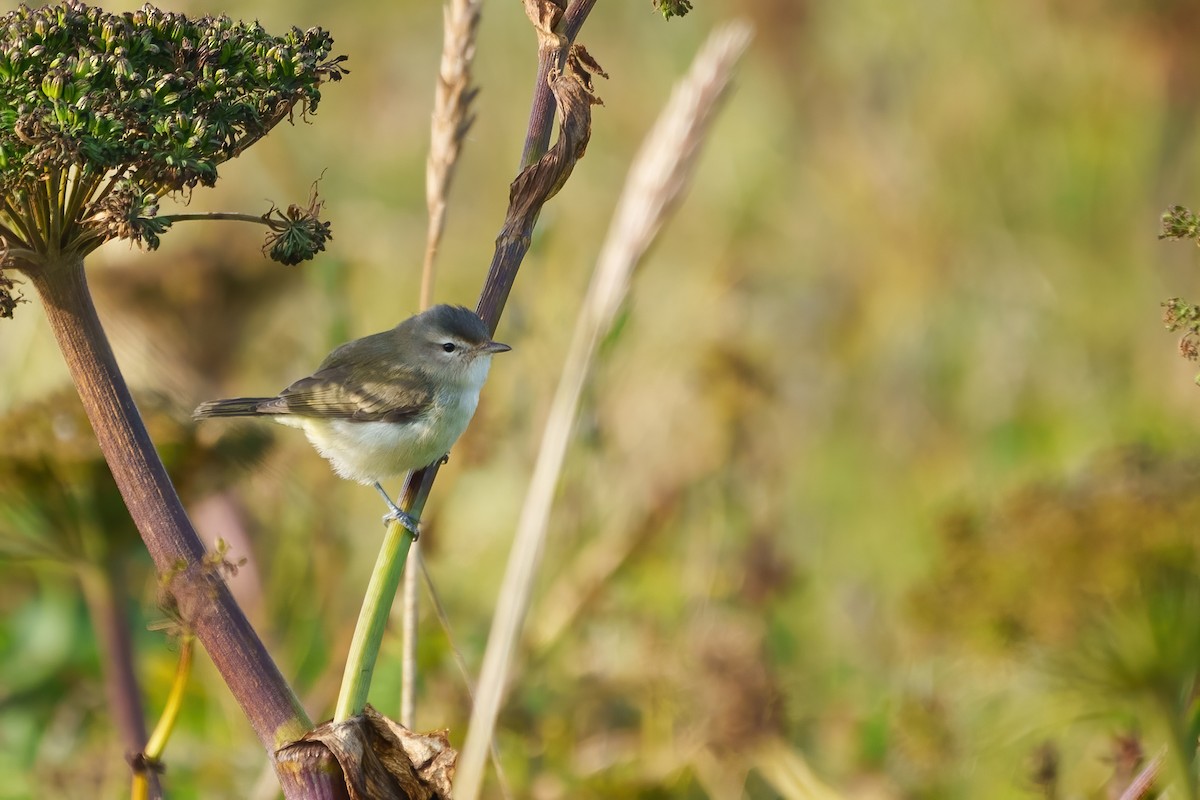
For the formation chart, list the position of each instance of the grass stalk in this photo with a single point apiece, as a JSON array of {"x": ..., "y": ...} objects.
[
  {"x": 451, "y": 120},
  {"x": 443, "y": 618},
  {"x": 655, "y": 184}
]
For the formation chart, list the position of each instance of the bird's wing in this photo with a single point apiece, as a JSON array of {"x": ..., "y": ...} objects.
[{"x": 334, "y": 392}]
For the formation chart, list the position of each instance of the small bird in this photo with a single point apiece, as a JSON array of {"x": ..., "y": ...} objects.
[{"x": 387, "y": 403}]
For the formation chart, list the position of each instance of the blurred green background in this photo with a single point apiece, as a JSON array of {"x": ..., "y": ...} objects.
[{"x": 888, "y": 480}]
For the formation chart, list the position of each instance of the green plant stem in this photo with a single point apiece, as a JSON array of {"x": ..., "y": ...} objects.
[
  {"x": 215, "y": 215},
  {"x": 410, "y": 622},
  {"x": 372, "y": 619},
  {"x": 54, "y": 195},
  {"x": 203, "y": 600},
  {"x": 377, "y": 604},
  {"x": 32, "y": 225},
  {"x": 166, "y": 723},
  {"x": 11, "y": 236},
  {"x": 16, "y": 217}
]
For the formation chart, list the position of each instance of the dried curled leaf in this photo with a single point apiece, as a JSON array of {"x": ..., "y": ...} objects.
[
  {"x": 381, "y": 759},
  {"x": 537, "y": 183},
  {"x": 545, "y": 16}
]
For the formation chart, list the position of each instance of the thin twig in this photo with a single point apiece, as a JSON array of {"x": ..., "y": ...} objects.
[
  {"x": 533, "y": 187},
  {"x": 656, "y": 182},
  {"x": 443, "y": 618},
  {"x": 157, "y": 743},
  {"x": 214, "y": 215},
  {"x": 451, "y": 119},
  {"x": 104, "y": 593},
  {"x": 410, "y": 621}
]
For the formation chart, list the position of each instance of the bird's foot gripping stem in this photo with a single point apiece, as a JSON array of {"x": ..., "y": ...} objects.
[{"x": 398, "y": 514}]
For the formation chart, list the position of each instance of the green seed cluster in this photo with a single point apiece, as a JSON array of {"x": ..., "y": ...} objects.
[
  {"x": 102, "y": 114},
  {"x": 672, "y": 8},
  {"x": 156, "y": 93}
]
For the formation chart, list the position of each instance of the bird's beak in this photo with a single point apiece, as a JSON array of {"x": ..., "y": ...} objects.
[{"x": 495, "y": 347}]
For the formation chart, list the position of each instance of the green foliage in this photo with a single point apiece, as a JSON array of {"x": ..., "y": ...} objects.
[{"x": 1144, "y": 655}]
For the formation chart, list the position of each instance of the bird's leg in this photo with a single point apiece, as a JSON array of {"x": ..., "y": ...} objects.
[{"x": 397, "y": 513}]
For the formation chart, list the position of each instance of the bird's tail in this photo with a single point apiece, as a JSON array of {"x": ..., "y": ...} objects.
[{"x": 233, "y": 407}]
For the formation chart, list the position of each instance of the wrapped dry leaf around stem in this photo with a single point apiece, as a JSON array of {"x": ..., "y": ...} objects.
[{"x": 381, "y": 759}]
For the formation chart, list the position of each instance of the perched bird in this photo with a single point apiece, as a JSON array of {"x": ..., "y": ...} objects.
[{"x": 387, "y": 403}]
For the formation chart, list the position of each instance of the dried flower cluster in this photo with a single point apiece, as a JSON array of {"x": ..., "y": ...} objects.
[
  {"x": 1179, "y": 222},
  {"x": 297, "y": 235},
  {"x": 1181, "y": 316},
  {"x": 103, "y": 114},
  {"x": 8, "y": 300}
]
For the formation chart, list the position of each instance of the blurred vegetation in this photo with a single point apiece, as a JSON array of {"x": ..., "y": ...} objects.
[{"x": 887, "y": 474}]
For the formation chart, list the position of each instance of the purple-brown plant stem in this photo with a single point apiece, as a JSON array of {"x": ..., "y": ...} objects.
[
  {"x": 541, "y": 114},
  {"x": 203, "y": 600}
]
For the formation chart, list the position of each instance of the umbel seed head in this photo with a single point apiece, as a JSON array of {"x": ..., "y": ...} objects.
[{"x": 127, "y": 108}]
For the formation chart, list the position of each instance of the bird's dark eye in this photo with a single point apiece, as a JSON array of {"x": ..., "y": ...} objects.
[{"x": 449, "y": 347}]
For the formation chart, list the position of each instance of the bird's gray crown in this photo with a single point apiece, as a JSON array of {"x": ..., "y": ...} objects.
[{"x": 460, "y": 322}]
